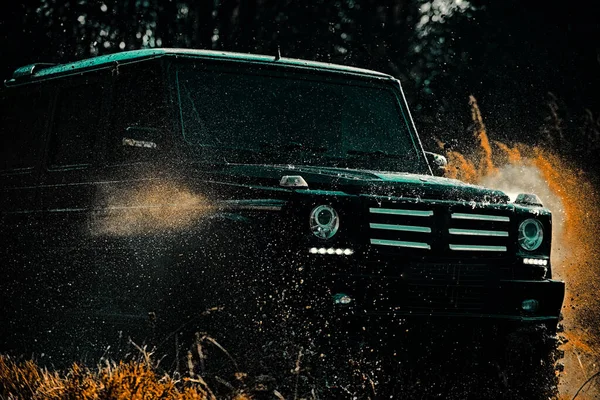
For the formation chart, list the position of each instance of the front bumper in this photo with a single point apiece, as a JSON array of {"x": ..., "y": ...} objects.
[{"x": 492, "y": 300}]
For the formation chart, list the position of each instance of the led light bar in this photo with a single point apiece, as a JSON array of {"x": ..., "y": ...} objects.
[
  {"x": 330, "y": 251},
  {"x": 535, "y": 261}
]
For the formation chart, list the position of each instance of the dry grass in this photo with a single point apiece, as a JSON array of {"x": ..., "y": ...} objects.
[
  {"x": 135, "y": 379},
  {"x": 132, "y": 380},
  {"x": 123, "y": 380}
]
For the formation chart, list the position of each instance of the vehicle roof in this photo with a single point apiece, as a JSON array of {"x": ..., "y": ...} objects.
[{"x": 36, "y": 72}]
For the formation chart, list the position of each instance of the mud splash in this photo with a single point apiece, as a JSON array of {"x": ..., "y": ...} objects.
[
  {"x": 575, "y": 205},
  {"x": 151, "y": 207}
]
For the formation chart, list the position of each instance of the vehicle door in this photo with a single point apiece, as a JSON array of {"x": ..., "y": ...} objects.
[{"x": 135, "y": 194}]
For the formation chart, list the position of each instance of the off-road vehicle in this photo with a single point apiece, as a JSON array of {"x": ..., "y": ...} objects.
[{"x": 144, "y": 193}]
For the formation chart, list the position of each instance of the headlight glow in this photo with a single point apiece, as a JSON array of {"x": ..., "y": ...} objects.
[
  {"x": 531, "y": 234},
  {"x": 324, "y": 221}
]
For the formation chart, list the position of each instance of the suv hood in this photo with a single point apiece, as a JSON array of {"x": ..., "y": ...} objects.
[{"x": 366, "y": 182}]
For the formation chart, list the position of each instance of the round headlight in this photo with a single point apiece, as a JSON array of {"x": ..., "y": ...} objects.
[
  {"x": 531, "y": 234},
  {"x": 324, "y": 222}
]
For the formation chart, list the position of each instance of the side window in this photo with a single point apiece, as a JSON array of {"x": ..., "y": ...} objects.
[
  {"x": 138, "y": 114},
  {"x": 76, "y": 124},
  {"x": 24, "y": 116}
]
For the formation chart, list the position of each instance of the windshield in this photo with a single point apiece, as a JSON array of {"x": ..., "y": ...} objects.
[{"x": 252, "y": 117}]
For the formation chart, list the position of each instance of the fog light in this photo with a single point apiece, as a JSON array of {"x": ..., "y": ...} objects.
[
  {"x": 342, "y": 298},
  {"x": 535, "y": 261},
  {"x": 331, "y": 250},
  {"x": 530, "y": 305}
]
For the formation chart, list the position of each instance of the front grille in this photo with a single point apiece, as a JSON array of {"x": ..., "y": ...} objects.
[
  {"x": 439, "y": 257},
  {"x": 401, "y": 228},
  {"x": 414, "y": 229},
  {"x": 478, "y": 232}
]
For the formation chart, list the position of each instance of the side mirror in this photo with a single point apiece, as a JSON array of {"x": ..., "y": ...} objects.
[{"x": 437, "y": 162}]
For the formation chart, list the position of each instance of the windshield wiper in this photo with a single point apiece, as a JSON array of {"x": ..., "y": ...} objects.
[
  {"x": 292, "y": 146},
  {"x": 373, "y": 154}
]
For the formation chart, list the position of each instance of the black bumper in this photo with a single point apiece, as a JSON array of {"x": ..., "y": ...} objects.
[{"x": 495, "y": 301}]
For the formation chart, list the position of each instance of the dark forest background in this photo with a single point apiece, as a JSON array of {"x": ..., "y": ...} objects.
[{"x": 534, "y": 67}]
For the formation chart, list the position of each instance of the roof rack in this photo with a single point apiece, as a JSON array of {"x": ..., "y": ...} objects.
[
  {"x": 43, "y": 71},
  {"x": 28, "y": 70}
]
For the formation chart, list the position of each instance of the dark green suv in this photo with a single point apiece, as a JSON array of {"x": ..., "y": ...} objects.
[{"x": 144, "y": 193}]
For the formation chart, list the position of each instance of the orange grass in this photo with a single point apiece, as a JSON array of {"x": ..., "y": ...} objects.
[{"x": 114, "y": 381}]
